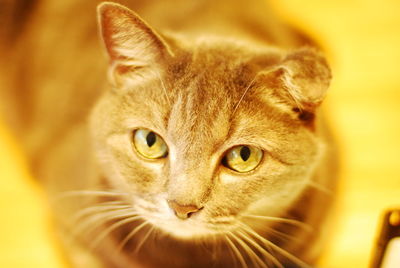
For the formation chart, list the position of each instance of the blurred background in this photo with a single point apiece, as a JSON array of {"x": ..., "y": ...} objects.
[{"x": 362, "y": 41}]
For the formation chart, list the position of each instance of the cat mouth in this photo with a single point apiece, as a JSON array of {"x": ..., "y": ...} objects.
[{"x": 191, "y": 228}]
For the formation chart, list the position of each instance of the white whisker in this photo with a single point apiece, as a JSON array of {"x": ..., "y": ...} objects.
[
  {"x": 297, "y": 223},
  {"x": 244, "y": 94},
  {"x": 282, "y": 235},
  {"x": 265, "y": 253},
  {"x": 85, "y": 193},
  {"x": 237, "y": 252},
  {"x": 130, "y": 235},
  {"x": 143, "y": 240},
  {"x": 100, "y": 218},
  {"x": 107, "y": 206},
  {"x": 255, "y": 259},
  {"x": 283, "y": 252},
  {"x": 320, "y": 187},
  {"x": 232, "y": 253},
  {"x": 111, "y": 228}
]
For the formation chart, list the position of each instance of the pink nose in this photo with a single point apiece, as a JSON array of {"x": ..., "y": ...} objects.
[{"x": 183, "y": 211}]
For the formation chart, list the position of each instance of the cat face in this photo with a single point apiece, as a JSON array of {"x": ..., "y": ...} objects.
[{"x": 202, "y": 133}]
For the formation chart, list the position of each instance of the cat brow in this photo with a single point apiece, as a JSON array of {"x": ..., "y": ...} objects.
[{"x": 244, "y": 94}]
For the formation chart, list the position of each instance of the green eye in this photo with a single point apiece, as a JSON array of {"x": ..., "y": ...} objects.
[
  {"x": 243, "y": 158},
  {"x": 149, "y": 144}
]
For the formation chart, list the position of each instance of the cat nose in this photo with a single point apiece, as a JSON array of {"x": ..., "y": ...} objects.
[{"x": 183, "y": 211}]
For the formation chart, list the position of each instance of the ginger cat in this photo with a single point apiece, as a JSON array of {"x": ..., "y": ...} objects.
[{"x": 204, "y": 148}]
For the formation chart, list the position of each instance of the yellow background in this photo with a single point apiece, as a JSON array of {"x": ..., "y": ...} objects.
[{"x": 362, "y": 40}]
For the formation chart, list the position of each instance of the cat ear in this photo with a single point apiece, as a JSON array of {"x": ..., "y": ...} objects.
[
  {"x": 304, "y": 76},
  {"x": 130, "y": 43}
]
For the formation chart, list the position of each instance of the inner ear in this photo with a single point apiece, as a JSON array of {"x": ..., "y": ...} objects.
[{"x": 130, "y": 43}]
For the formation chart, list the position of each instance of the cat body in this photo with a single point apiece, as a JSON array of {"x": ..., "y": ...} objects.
[{"x": 211, "y": 76}]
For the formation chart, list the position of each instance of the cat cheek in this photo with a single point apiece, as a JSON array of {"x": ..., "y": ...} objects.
[{"x": 228, "y": 179}]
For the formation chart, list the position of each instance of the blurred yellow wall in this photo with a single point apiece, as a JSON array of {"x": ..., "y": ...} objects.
[
  {"x": 25, "y": 234},
  {"x": 362, "y": 40}
]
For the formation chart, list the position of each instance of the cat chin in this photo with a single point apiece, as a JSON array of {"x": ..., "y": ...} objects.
[{"x": 189, "y": 230}]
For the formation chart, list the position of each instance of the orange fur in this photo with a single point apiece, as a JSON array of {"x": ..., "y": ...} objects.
[{"x": 214, "y": 77}]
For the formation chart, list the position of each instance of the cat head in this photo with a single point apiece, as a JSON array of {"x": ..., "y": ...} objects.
[{"x": 201, "y": 133}]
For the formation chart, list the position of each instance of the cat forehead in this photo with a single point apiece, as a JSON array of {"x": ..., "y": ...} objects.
[
  {"x": 205, "y": 80},
  {"x": 221, "y": 59},
  {"x": 211, "y": 70},
  {"x": 214, "y": 93}
]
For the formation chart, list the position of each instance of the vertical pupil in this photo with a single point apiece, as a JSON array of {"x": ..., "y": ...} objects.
[
  {"x": 245, "y": 153},
  {"x": 151, "y": 139}
]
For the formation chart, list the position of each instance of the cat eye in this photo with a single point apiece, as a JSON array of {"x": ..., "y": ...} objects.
[
  {"x": 243, "y": 158},
  {"x": 149, "y": 144}
]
